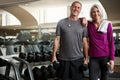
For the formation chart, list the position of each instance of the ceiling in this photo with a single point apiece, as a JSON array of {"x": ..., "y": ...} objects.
[
  {"x": 4, "y": 3},
  {"x": 111, "y": 7}
]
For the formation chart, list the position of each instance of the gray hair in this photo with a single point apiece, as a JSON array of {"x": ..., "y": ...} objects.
[
  {"x": 99, "y": 8},
  {"x": 76, "y": 2}
]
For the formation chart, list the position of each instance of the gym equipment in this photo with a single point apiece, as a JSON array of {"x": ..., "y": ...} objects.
[
  {"x": 30, "y": 57},
  {"x": 10, "y": 47},
  {"x": 22, "y": 42},
  {"x": 3, "y": 77},
  {"x": 56, "y": 65},
  {"x": 52, "y": 71},
  {"x": 24, "y": 35},
  {"x": 22, "y": 63},
  {"x": 22, "y": 55},
  {"x": 26, "y": 74},
  {"x": 37, "y": 73},
  {"x": 3, "y": 62},
  {"x": 84, "y": 67},
  {"x": 38, "y": 57},
  {"x": 46, "y": 56},
  {"x": 8, "y": 65},
  {"x": 45, "y": 73},
  {"x": 45, "y": 43}
]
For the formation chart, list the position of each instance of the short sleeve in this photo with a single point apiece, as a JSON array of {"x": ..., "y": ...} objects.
[
  {"x": 85, "y": 32},
  {"x": 58, "y": 31}
]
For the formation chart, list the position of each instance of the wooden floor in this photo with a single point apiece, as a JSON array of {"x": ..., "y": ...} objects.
[
  {"x": 116, "y": 75},
  {"x": 109, "y": 79},
  {"x": 117, "y": 60}
]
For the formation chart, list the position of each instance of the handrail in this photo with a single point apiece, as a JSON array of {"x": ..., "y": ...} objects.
[
  {"x": 8, "y": 65},
  {"x": 27, "y": 64}
]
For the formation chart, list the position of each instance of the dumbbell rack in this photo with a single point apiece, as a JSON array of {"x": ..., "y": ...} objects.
[
  {"x": 20, "y": 63},
  {"x": 21, "y": 66},
  {"x": 23, "y": 62},
  {"x": 8, "y": 66}
]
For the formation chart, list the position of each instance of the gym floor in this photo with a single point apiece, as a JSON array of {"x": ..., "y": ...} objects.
[{"x": 116, "y": 74}]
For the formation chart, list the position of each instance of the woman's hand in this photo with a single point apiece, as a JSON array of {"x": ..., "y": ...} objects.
[{"x": 111, "y": 65}]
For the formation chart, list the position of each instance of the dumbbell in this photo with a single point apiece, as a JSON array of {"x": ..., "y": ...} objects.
[
  {"x": 8, "y": 78},
  {"x": 38, "y": 57},
  {"x": 84, "y": 67},
  {"x": 56, "y": 65},
  {"x": 26, "y": 74},
  {"x": 46, "y": 56},
  {"x": 52, "y": 71},
  {"x": 22, "y": 55},
  {"x": 3, "y": 62},
  {"x": 3, "y": 77},
  {"x": 30, "y": 57},
  {"x": 50, "y": 55},
  {"x": 45, "y": 73},
  {"x": 37, "y": 73}
]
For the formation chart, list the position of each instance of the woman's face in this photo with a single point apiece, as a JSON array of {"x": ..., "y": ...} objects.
[{"x": 95, "y": 13}]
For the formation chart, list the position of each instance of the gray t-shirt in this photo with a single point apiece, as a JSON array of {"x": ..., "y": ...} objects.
[{"x": 71, "y": 34}]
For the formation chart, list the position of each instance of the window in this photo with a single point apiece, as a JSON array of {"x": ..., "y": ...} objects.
[
  {"x": 8, "y": 19},
  {"x": 53, "y": 14}
]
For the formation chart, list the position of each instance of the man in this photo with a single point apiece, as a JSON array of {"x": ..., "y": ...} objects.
[{"x": 72, "y": 37}]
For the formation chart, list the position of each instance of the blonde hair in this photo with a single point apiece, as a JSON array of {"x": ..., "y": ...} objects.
[{"x": 99, "y": 8}]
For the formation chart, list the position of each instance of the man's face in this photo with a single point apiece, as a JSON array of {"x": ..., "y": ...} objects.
[{"x": 75, "y": 9}]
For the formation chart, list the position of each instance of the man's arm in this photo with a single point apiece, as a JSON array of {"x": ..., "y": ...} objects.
[
  {"x": 85, "y": 50},
  {"x": 55, "y": 48},
  {"x": 84, "y": 21}
]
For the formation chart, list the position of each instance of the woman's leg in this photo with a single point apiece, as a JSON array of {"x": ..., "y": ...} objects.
[
  {"x": 94, "y": 69},
  {"x": 104, "y": 68}
]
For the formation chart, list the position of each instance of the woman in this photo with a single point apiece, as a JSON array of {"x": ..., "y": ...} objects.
[{"x": 101, "y": 45}]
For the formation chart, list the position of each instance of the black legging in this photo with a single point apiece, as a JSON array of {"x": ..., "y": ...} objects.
[{"x": 99, "y": 68}]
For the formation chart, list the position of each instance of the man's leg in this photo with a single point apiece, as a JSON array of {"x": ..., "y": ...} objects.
[
  {"x": 63, "y": 72},
  {"x": 75, "y": 72}
]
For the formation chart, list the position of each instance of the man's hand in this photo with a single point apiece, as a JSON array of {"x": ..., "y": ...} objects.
[
  {"x": 86, "y": 61},
  {"x": 84, "y": 21},
  {"x": 54, "y": 59}
]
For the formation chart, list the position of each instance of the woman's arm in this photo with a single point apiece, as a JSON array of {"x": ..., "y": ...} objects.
[{"x": 111, "y": 46}]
